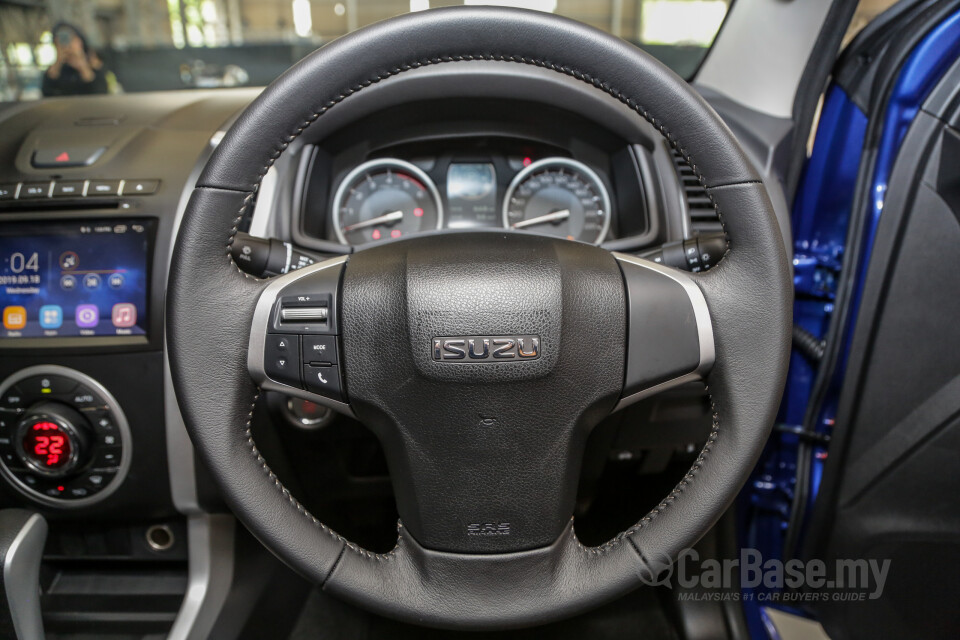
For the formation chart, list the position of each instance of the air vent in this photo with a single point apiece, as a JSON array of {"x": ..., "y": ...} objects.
[{"x": 703, "y": 217}]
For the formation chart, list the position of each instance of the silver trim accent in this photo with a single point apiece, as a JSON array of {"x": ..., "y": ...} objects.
[
  {"x": 263, "y": 209},
  {"x": 21, "y": 578},
  {"x": 122, "y": 425},
  {"x": 701, "y": 312},
  {"x": 210, "y": 542},
  {"x": 305, "y": 314},
  {"x": 289, "y": 248},
  {"x": 258, "y": 336},
  {"x": 180, "y": 453},
  {"x": 375, "y": 164},
  {"x": 160, "y": 545},
  {"x": 210, "y": 550},
  {"x": 561, "y": 162}
]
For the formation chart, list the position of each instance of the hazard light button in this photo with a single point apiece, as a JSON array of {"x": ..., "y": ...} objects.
[{"x": 66, "y": 156}]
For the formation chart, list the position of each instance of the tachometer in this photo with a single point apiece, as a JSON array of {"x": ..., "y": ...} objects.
[
  {"x": 558, "y": 197},
  {"x": 385, "y": 198}
]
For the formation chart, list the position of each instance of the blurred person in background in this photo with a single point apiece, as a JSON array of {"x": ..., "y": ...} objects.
[{"x": 78, "y": 70}]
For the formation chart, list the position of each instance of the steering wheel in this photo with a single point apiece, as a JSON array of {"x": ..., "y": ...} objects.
[{"x": 480, "y": 360}]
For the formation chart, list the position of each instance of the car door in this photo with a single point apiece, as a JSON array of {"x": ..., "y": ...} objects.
[{"x": 877, "y": 230}]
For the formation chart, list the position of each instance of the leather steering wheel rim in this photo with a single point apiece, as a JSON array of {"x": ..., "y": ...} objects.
[{"x": 211, "y": 304}]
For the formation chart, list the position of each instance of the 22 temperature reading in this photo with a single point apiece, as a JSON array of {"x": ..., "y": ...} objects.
[{"x": 47, "y": 444}]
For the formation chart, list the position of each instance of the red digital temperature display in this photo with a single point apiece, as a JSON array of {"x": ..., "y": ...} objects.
[{"x": 47, "y": 445}]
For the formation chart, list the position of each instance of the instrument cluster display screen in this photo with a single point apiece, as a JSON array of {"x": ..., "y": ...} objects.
[
  {"x": 74, "y": 279},
  {"x": 472, "y": 196}
]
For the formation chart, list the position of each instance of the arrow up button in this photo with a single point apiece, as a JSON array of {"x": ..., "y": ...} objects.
[{"x": 281, "y": 358}]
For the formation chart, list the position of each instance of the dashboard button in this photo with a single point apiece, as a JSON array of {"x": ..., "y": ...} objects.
[
  {"x": 13, "y": 398},
  {"x": 8, "y": 191},
  {"x": 10, "y": 457},
  {"x": 317, "y": 349},
  {"x": 68, "y": 189},
  {"x": 34, "y": 190},
  {"x": 323, "y": 380},
  {"x": 102, "y": 421},
  {"x": 28, "y": 478},
  {"x": 8, "y": 420},
  {"x": 43, "y": 386},
  {"x": 139, "y": 187},
  {"x": 106, "y": 457},
  {"x": 84, "y": 399},
  {"x": 99, "y": 478},
  {"x": 281, "y": 358},
  {"x": 103, "y": 188},
  {"x": 67, "y": 156}
]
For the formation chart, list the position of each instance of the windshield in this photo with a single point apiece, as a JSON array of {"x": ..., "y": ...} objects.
[{"x": 76, "y": 47}]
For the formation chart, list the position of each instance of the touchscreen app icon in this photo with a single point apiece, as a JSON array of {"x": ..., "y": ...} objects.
[
  {"x": 87, "y": 316},
  {"x": 124, "y": 315},
  {"x": 14, "y": 317},
  {"x": 91, "y": 281},
  {"x": 51, "y": 316}
]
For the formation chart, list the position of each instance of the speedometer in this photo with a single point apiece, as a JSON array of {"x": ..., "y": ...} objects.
[
  {"x": 558, "y": 197},
  {"x": 385, "y": 198}
]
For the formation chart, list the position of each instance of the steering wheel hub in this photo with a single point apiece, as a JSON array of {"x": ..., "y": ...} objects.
[{"x": 485, "y": 451}]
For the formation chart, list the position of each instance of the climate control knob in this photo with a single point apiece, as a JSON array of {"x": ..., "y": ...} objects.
[{"x": 53, "y": 439}]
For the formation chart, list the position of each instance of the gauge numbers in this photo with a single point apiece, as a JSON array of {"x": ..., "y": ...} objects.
[
  {"x": 558, "y": 197},
  {"x": 383, "y": 199}
]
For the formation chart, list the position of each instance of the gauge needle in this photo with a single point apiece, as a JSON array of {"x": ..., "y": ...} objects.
[
  {"x": 393, "y": 216},
  {"x": 556, "y": 216}
]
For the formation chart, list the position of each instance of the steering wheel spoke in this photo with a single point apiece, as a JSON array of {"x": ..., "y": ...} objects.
[
  {"x": 295, "y": 336},
  {"x": 669, "y": 334}
]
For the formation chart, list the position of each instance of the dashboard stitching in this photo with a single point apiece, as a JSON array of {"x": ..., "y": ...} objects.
[{"x": 574, "y": 73}]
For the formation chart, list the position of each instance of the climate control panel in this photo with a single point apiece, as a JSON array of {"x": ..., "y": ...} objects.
[{"x": 63, "y": 439}]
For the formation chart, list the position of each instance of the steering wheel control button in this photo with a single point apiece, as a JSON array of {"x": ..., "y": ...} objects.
[
  {"x": 305, "y": 314},
  {"x": 319, "y": 349},
  {"x": 294, "y": 342},
  {"x": 323, "y": 380},
  {"x": 66, "y": 428},
  {"x": 281, "y": 358},
  {"x": 308, "y": 313}
]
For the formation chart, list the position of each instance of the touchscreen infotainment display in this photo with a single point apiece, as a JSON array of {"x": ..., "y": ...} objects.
[{"x": 74, "y": 279}]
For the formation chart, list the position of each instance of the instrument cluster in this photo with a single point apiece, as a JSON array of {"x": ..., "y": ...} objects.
[{"x": 390, "y": 198}]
